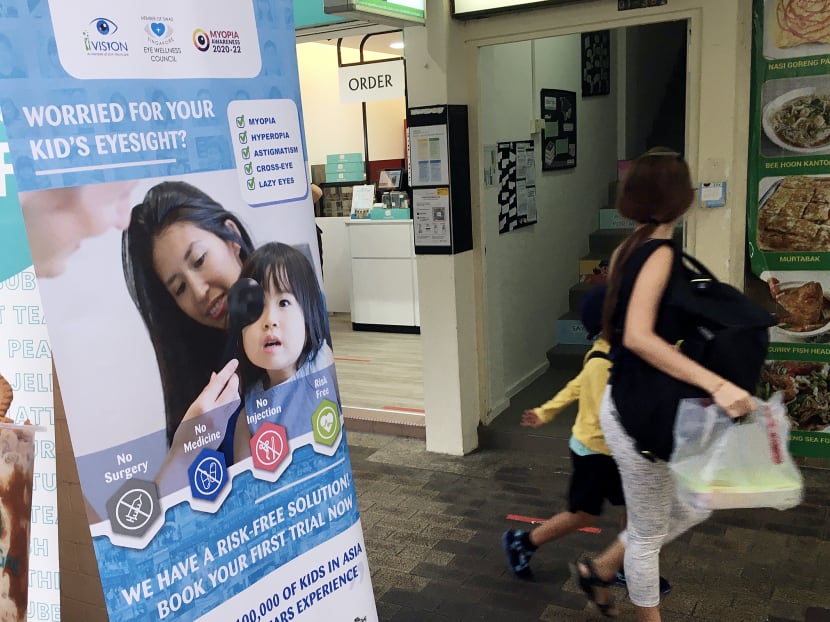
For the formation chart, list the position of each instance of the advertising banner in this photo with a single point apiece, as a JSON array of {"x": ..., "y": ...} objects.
[
  {"x": 789, "y": 208},
  {"x": 25, "y": 396},
  {"x": 160, "y": 158}
]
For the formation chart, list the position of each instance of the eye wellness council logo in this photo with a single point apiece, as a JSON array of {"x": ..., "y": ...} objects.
[
  {"x": 160, "y": 40},
  {"x": 218, "y": 41},
  {"x": 99, "y": 39}
]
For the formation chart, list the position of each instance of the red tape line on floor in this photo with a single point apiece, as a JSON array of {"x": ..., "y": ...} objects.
[{"x": 528, "y": 519}]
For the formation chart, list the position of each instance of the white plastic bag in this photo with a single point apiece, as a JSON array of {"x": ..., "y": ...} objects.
[{"x": 719, "y": 463}]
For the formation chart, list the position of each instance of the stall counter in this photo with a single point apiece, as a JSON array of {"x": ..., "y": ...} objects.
[{"x": 384, "y": 294}]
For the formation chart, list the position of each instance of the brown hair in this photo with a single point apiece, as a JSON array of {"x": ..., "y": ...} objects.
[{"x": 657, "y": 189}]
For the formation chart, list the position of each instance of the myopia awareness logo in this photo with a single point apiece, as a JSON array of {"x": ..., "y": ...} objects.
[{"x": 201, "y": 40}]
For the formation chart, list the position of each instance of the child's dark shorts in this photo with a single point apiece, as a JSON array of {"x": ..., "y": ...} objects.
[{"x": 594, "y": 478}]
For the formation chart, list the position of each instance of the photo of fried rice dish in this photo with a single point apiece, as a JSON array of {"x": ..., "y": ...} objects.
[{"x": 805, "y": 389}]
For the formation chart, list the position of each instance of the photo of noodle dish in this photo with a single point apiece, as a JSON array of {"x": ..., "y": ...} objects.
[
  {"x": 805, "y": 391},
  {"x": 799, "y": 120},
  {"x": 796, "y": 28}
]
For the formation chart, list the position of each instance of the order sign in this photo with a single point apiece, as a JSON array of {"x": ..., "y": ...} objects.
[{"x": 372, "y": 81}]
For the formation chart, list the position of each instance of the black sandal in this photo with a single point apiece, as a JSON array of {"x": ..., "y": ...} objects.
[{"x": 587, "y": 585}]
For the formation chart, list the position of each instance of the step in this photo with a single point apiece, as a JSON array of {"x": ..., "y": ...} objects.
[
  {"x": 610, "y": 218},
  {"x": 520, "y": 439},
  {"x": 567, "y": 356},
  {"x": 569, "y": 330},
  {"x": 604, "y": 241},
  {"x": 593, "y": 268},
  {"x": 576, "y": 293}
]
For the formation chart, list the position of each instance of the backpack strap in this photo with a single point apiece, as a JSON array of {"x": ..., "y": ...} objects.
[{"x": 598, "y": 354}]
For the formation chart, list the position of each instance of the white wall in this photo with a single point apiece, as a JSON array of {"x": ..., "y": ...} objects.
[
  {"x": 332, "y": 127},
  {"x": 529, "y": 271}
]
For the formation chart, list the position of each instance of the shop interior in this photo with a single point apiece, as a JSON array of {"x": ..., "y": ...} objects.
[
  {"x": 369, "y": 273},
  {"x": 545, "y": 265}
]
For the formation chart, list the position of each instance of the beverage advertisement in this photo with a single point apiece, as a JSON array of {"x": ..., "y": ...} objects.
[
  {"x": 789, "y": 208},
  {"x": 29, "y": 573},
  {"x": 159, "y": 153}
]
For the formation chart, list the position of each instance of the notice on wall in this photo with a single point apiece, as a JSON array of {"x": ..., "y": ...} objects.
[
  {"x": 789, "y": 208},
  {"x": 558, "y": 109},
  {"x": 431, "y": 215},
  {"x": 517, "y": 185},
  {"x": 429, "y": 156},
  {"x": 159, "y": 155},
  {"x": 26, "y": 395}
]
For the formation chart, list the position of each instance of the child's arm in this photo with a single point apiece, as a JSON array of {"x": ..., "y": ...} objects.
[{"x": 546, "y": 412}]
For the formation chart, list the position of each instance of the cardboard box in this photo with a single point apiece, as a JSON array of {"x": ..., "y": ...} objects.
[
  {"x": 337, "y": 177},
  {"x": 337, "y": 158}
]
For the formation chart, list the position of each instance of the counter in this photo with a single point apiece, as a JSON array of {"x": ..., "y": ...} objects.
[{"x": 384, "y": 294}]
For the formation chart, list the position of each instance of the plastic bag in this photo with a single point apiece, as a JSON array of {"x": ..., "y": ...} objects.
[{"x": 719, "y": 463}]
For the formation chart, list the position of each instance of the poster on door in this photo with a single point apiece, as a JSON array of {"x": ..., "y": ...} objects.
[
  {"x": 159, "y": 154},
  {"x": 25, "y": 397},
  {"x": 517, "y": 185},
  {"x": 789, "y": 208}
]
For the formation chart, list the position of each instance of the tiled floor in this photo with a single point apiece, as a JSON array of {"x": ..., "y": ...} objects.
[
  {"x": 380, "y": 376},
  {"x": 432, "y": 525}
]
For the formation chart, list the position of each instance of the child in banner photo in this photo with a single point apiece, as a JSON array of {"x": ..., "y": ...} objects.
[{"x": 285, "y": 363}]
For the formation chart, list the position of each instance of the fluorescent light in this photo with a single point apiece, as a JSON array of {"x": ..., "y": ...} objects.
[{"x": 397, "y": 45}]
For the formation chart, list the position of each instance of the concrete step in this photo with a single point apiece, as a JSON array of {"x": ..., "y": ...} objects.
[
  {"x": 592, "y": 267},
  {"x": 604, "y": 241},
  {"x": 567, "y": 356},
  {"x": 576, "y": 293},
  {"x": 521, "y": 439},
  {"x": 610, "y": 218},
  {"x": 569, "y": 330}
]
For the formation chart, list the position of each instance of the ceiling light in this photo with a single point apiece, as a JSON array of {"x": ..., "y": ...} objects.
[{"x": 397, "y": 45}]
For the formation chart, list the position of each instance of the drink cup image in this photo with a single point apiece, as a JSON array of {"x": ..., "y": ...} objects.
[{"x": 17, "y": 459}]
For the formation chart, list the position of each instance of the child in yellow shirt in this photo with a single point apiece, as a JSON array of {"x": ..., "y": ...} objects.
[{"x": 594, "y": 476}]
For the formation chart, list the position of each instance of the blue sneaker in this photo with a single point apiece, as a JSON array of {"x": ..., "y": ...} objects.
[
  {"x": 619, "y": 579},
  {"x": 518, "y": 555}
]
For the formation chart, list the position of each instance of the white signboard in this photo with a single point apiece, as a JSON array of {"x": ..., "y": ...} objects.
[
  {"x": 393, "y": 12},
  {"x": 473, "y": 8},
  {"x": 372, "y": 81}
]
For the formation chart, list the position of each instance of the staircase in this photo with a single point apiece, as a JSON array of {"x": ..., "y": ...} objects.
[
  {"x": 572, "y": 342},
  {"x": 566, "y": 356}
]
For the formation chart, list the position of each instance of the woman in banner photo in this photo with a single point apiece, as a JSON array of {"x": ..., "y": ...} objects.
[
  {"x": 656, "y": 192},
  {"x": 181, "y": 253},
  {"x": 286, "y": 362}
]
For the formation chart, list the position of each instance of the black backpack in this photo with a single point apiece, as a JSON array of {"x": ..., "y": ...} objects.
[{"x": 728, "y": 334}]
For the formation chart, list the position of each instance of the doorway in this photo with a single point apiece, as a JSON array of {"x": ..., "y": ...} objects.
[{"x": 536, "y": 274}]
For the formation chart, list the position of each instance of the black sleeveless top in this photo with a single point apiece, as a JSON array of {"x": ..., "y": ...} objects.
[{"x": 670, "y": 325}]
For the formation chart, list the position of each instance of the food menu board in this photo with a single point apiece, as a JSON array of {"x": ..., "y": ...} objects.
[{"x": 789, "y": 208}]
